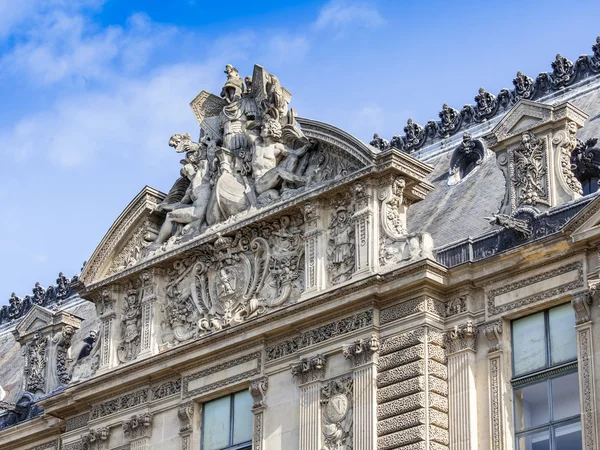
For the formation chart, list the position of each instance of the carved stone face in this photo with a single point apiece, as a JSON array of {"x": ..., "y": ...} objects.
[{"x": 270, "y": 129}]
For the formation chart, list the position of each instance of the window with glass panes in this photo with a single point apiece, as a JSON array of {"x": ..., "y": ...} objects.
[
  {"x": 227, "y": 423},
  {"x": 545, "y": 381}
]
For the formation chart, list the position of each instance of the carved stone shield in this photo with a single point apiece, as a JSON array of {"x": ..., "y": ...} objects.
[{"x": 337, "y": 408}]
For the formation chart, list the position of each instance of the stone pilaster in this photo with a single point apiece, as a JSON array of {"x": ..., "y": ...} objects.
[
  {"x": 496, "y": 386},
  {"x": 148, "y": 301},
  {"x": 138, "y": 430},
  {"x": 363, "y": 355},
  {"x": 314, "y": 247},
  {"x": 106, "y": 310},
  {"x": 366, "y": 243},
  {"x": 185, "y": 413},
  {"x": 585, "y": 360},
  {"x": 258, "y": 390},
  {"x": 412, "y": 395},
  {"x": 309, "y": 374},
  {"x": 462, "y": 393}
]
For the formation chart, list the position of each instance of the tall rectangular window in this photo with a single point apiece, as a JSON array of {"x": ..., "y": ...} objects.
[
  {"x": 227, "y": 423},
  {"x": 545, "y": 381}
]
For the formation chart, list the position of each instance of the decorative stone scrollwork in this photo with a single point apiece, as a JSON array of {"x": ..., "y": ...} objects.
[
  {"x": 309, "y": 369},
  {"x": 185, "y": 413},
  {"x": 564, "y": 73},
  {"x": 395, "y": 244},
  {"x": 131, "y": 324},
  {"x": 138, "y": 426},
  {"x": 467, "y": 156},
  {"x": 379, "y": 142},
  {"x": 463, "y": 337},
  {"x": 362, "y": 351},
  {"x": 566, "y": 140},
  {"x": 35, "y": 364},
  {"x": 341, "y": 249},
  {"x": 528, "y": 176},
  {"x": 524, "y": 86},
  {"x": 492, "y": 332},
  {"x": 233, "y": 279},
  {"x": 337, "y": 404},
  {"x": 96, "y": 439},
  {"x": 456, "y": 306},
  {"x": 582, "y": 304},
  {"x": 258, "y": 390},
  {"x": 17, "y": 307},
  {"x": 62, "y": 341}
]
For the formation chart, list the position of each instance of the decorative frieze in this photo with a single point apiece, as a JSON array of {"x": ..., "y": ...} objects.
[
  {"x": 309, "y": 369},
  {"x": 337, "y": 407},
  {"x": 456, "y": 306},
  {"x": 166, "y": 389},
  {"x": 418, "y": 305},
  {"x": 80, "y": 421},
  {"x": 119, "y": 404},
  {"x": 320, "y": 334},
  {"x": 554, "y": 285},
  {"x": 246, "y": 366}
]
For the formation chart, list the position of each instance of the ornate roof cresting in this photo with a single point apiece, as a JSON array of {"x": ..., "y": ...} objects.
[
  {"x": 53, "y": 295},
  {"x": 564, "y": 73}
]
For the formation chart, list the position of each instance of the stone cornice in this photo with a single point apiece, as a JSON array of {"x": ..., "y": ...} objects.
[{"x": 31, "y": 431}]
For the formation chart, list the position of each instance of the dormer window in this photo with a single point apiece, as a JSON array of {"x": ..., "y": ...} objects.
[{"x": 466, "y": 158}]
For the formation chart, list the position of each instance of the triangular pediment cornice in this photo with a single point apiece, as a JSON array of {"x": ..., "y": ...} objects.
[
  {"x": 586, "y": 224},
  {"x": 40, "y": 319},
  {"x": 140, "y": 208},
  {"x": 527, "y": 115}
]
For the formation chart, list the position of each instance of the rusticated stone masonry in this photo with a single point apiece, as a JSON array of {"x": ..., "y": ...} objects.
[{"x": 412, "y": 392}]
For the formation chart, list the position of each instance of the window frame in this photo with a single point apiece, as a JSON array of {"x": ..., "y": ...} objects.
[
  {"x": 247, "y": 445},
  {"x": 543, "y": 375}
]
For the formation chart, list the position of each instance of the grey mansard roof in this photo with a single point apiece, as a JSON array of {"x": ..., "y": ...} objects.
[{"x": 454, "y": 213}]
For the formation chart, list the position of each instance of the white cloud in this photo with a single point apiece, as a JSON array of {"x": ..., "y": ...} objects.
[
  {"x": 136, "y": 117},
  {"x": 66, "y": 46},
  {"x": 339, "y": 15}
]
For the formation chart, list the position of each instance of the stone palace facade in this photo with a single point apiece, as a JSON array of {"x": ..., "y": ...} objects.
[{"x": 300, "y": 289}]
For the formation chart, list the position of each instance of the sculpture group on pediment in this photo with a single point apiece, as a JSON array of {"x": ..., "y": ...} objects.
[
  {"x": 251, "y": 153},
  {"x": 234, "y": 278}
]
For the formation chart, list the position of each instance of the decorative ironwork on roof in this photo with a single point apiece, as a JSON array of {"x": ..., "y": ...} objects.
[{"x": 564, "y": 73}]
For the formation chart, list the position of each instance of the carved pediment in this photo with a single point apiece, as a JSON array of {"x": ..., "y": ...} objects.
[
  {"x": 122, "y": 245},
  {"x": 586, "y": 224},
  {"x": 42, "y": 319},
  {"x": 527, "y": 115}
]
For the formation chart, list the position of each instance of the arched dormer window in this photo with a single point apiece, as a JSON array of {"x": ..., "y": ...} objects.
[
  {"x": 585, "y": 163},
  {"x": 466, "y": 158}
]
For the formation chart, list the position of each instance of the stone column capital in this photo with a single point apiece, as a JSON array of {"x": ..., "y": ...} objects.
[
  {"x": 461, "y": 337},
  {"x": 309, "y": 370},
  {"x": 362, "y": 351},
  {"x": 493, "y": 332},
  {"x": 582, "y": 304}
]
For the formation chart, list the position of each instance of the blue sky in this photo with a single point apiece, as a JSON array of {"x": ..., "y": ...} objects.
[{"x": 92, "y": 90}]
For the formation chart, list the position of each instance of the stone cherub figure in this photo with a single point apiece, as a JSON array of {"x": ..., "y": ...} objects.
[
  {"x": 272, "y": 161},
  {"x": 193, "y": 205}
]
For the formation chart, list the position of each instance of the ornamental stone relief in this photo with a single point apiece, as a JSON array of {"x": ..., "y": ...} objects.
[
  {"x": 337, "y": 406},
  {"x": 35, "y": 364},
  {"x": 234, "y": 279},
  {"x": 395, "y": 243},
  {"x": 529, "y": 175},
  {"x": 131, "y": 322},
  {"x": 252, "y": 153},
  {"x": 138, "y": 426},
  {"x": 309, "y": 369},
  {"x": 341, "y": 245}
]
